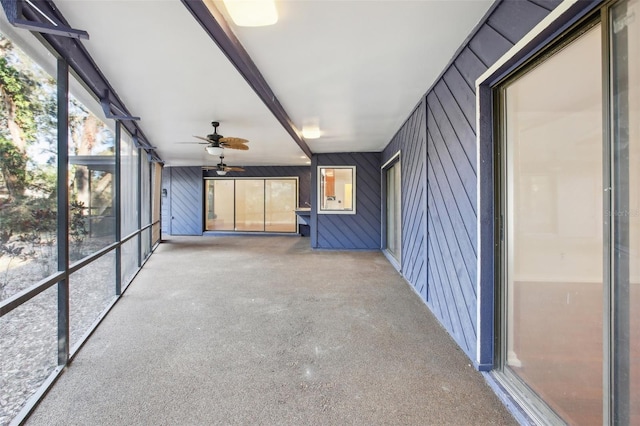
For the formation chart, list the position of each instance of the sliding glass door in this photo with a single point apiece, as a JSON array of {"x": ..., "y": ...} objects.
[
  {"x": 624, "y": 215},
  {"x": 220, "y": 207},
  {"x": 554, "y": 240},
  {"x": 280, "y": 202},
  {"x": 393, "y": 211},
  {"x": 570, "y": 203},
  {"x": 251, "y": 204}
]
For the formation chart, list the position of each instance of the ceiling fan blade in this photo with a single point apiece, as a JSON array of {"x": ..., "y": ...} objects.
[
  {"x": 204, "y": 139},
  {"x": 195, "y": 143},
  {"x": 239, "y": 146},
  {"x": 233, "y": 140},
  {"x": 234, "y": 169}
]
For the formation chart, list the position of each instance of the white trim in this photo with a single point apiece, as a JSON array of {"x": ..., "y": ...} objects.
[
  {"x": 538, "y": 29},
  {"x": 542, "y": 25},
  {"x": 394, "y": 262},
  {"x": 383, "y": 199},
  {"x": 393, "y": 158},
  {"x": 318, "y": 192},
  {"x": 262, "y": 178}
]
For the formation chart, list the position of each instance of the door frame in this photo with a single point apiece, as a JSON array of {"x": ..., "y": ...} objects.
[{"x": 395, "y": 159}]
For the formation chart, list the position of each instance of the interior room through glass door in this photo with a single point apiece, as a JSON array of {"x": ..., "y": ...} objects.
[{"x": 553, "y": 203}]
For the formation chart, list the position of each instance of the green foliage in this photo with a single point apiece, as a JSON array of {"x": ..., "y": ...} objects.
[
  {"x": 17, "y": 89},
  {"x": 77, "y": 227},
  {"x": 13, "y": 163},
  {"x": 28, "y": 115},
  {"x": 26, "y": 214}
]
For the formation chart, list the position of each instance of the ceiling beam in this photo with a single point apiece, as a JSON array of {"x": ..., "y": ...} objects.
[
  {"x": 213, "y": 22},
  {"x": 13, "y": 11}
]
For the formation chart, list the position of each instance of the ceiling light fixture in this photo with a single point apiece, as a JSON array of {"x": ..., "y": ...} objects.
[
  {"x": 221, "y": 172},
  {"x": 214, "y": 150},
  {"x": 252, "y": 13},
  {"x": 310, "y": 132}
]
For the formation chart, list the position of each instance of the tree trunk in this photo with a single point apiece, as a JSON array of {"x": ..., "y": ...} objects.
[{"x": 86, "y": 142}]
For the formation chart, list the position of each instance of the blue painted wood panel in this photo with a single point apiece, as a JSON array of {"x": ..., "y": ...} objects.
[
  {"x": 186, "y": 200},
  {"x": 444, "y": 261},
  {"x": 344, "y": 231},
  {"x": 410, "y": 141},
  {"x": 165, "y": 201}
]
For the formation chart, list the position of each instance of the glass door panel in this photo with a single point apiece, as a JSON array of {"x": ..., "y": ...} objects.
[
  {"x": 220, "y": 205},
  {"x": 625, "y": 217},
  {"x": 393, "y": 210},
  {"x": 553, "y": 232},
  {"x": 280, "y": 204},
  {"x": 249, "y": 205}
]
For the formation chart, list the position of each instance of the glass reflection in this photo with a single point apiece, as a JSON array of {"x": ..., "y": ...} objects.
[
  {"x": 280, "y": 204},
  {"x": 626, "y": 212},
  {"x": 129, "y": 184},
  {"x": 336, "y": 191},
  {"x": 249, "y": 199},
  {"x": 91, "y": 182},
  {"x": 554, "y": 230},
  {"x": 220, "y": 208}
]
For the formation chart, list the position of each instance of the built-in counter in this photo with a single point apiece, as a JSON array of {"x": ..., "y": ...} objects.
[{"x": 304, "y": 220}]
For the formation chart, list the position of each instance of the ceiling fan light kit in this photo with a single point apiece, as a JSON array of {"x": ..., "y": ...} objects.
[
  {"x": 214, "y": 150},
  {"x": 216, "y": 142},
  {"x": 222, "y": 169}
]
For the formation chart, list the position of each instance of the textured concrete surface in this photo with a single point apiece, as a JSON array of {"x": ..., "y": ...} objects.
[{"x": 263, "y": 330}]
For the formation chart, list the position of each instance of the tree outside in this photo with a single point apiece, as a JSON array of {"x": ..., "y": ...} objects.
[{"x": 28, "y": 173}]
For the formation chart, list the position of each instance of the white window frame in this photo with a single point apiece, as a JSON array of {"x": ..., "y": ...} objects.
[{"x": 320, "y": 210}]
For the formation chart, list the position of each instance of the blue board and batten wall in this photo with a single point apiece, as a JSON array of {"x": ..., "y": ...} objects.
[
  {"x": 346, "y": 231},
  {"x": 183, "y": 206},
  {"x": 443, "y": 267},
  {"x": 410, "y": 143}
]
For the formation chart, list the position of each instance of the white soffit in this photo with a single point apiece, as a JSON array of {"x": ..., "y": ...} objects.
[{"x": 357, "y": 67}]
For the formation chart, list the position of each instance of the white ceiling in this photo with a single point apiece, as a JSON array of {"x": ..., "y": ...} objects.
[{"x": 356, "y": 67}]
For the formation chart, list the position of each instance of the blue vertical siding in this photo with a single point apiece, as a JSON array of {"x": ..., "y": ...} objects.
[
  {"x": 185, "y": 200},
  {"x": 358, "y": 231},
  {"x": 446, "y": 173}
]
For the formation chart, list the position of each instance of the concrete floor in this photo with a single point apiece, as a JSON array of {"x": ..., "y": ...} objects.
[{"x": 263, "y": 330}]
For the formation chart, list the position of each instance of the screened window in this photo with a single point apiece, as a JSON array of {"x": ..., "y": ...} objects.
[
  {"x": 28, "y": 220},
  {"x": 28, "y": 156},
  {"x": 129, "y": 204},
  {"x": 91, "y": 179}
]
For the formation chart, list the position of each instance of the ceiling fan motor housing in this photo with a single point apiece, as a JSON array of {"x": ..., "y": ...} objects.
[{"x": 215, "y": 136}]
